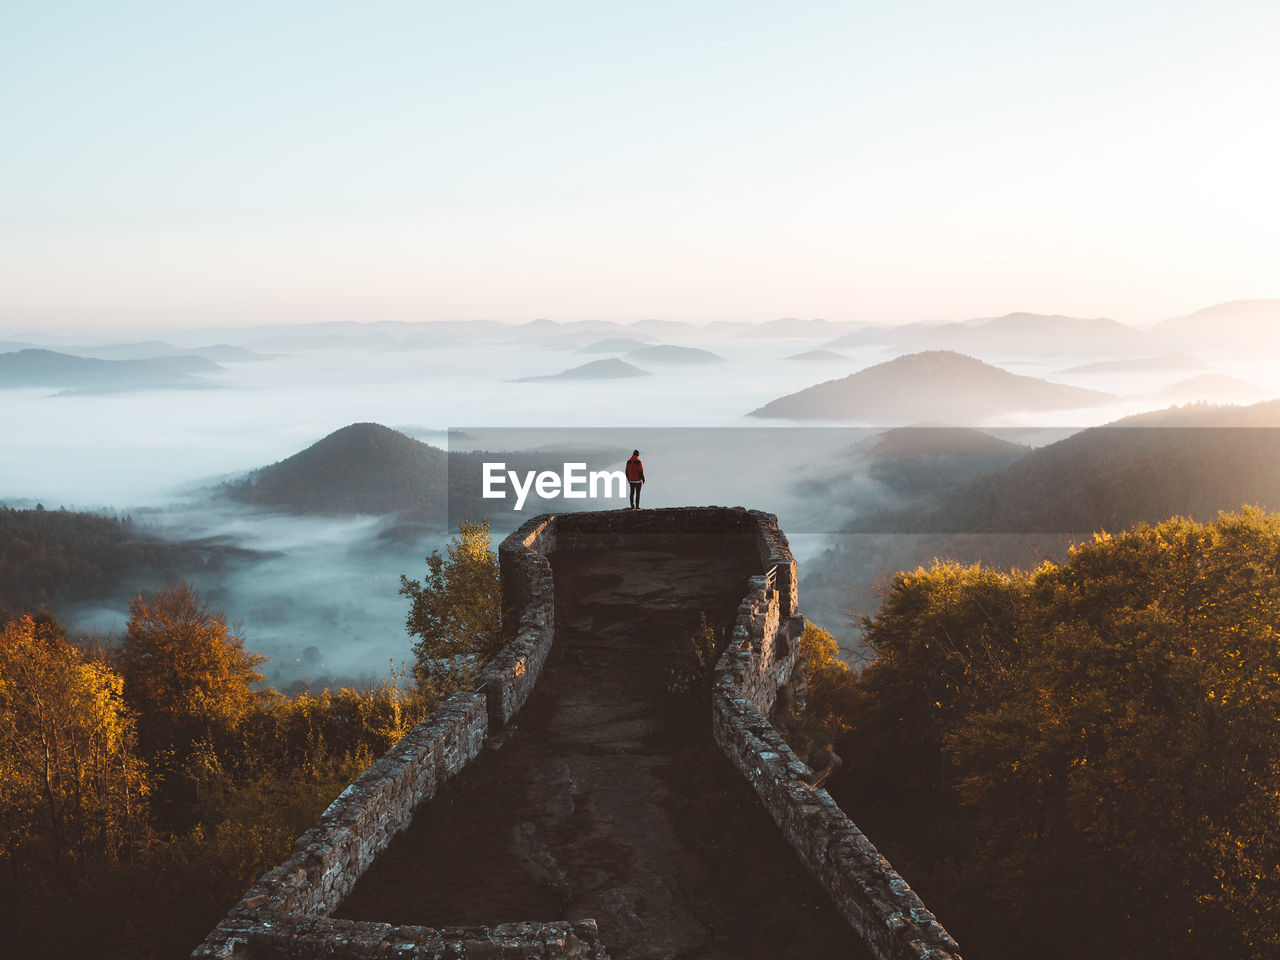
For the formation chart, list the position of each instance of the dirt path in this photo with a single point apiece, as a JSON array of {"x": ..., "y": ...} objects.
[{"x": 609, "y": 798}]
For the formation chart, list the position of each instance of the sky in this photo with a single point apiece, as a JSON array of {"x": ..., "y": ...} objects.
[{"x": 187, "y": 164}]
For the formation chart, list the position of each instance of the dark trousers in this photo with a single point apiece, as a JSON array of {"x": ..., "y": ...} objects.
[{"x": 635, "y": 493}]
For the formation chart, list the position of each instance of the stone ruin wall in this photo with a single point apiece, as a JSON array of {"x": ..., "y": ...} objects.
[
  {"x": 886, "y": 913},
  {"x": 285, "y": 914}
]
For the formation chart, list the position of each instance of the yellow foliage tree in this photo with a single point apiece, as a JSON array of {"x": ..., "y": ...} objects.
[
  {"x": 186, "y": 673},
  {"x": 1082, "y": 759},
  {"x": 72, "y": 790}
]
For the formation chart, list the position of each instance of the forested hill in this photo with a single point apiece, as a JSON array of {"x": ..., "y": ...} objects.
[
  {"x": 1264, "y": 414},
  {"x": 921, "y": 461},
  {"x": 362, "y": 468},
  {"x": 47, "y": 556},
  {"x": 47, "y": 368},
  {"x": 372, "y": 469},
  {"x": 1189, "y": 461}
]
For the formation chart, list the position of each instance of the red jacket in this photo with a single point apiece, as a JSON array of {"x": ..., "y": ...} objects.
[{"x": 635, "y": 470}]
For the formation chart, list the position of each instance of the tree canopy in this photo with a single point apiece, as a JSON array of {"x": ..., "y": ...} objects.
[
  {"x": 95, "y": 855},
  {"x": 186, "y": 673},
  {"x": 456, "y": 610},
  {"x": 1088, "y": 751},
  {"x": 72, "y": 790}
]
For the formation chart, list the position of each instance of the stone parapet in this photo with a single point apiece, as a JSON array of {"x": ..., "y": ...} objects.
[
  {"x": 285, "y": 914},
  {"x": 877, "y": 902},
  {"x": 329, "y": 858}
]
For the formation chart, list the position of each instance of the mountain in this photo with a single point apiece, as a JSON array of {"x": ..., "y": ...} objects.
[
  {"x": 674, "y": 356},
  {"x": 1192, "y": 461},
  {"x": 1034, "y": 335},
  {"x": 1215, "y": 387},
  {"x": 922, "y": 461},
  {"x": 51, "y": 557},
  {"x": 160, "y": 350},
  {"x": 934, "y": 385},
  {"x": 1203, "y": 415},
  {"x": 47, "y": 368},
  {"x": 607, "y": 369},
  {"x": 908, "y": 465},
  {"x": 139, "y": 350},
  {"x": 668, "y": 329},
  {"x": 362, "y": 468},
  {"x": 1237, "y": 323},
  {"x": 819, "y": 356},
  {"x": 1162, "y": 363},
  {"x": 884, "y": 335},
  {"x": 339, "y": 342},
  {"x": 791, "y": 328},
  {"x": 1019, "y": 335},
  {"x": 188, "y": 363},
  {"x": 613, "y": 345},
  {"x": 226, "y": 353}
]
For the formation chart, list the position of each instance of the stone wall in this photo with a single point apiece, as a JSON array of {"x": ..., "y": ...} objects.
[
  {"x": 323, "y": 937},
  {"x": 329, "y": 858},
  {"x": 875, "y": 900},
  {"x": 285, "y": 914},
  {"x": 528, "y": 597}
]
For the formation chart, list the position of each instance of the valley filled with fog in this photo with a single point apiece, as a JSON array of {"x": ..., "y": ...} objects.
[{"x": 317, "y": 592}]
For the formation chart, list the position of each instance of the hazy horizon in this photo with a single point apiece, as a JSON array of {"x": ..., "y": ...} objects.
[
  {"x": 332, "y": 581},
  {"x": 236, "y": 165}
]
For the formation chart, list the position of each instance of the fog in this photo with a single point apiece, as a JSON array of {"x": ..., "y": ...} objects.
[
  {"x": 324, "y": 583},
  {"x": 331, "y": 583}
]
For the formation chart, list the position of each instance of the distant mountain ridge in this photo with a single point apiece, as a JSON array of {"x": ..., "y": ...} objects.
[
  {"x": 613, "y": 345},
  {"x": 1032, "y": 333},
  {"x": 1216, "y": 387},
  {"x": 1160, "y": 363},
  {"x": 1014, "y": 334},
  {"x": 923, "y": 461},
  {"x": 36, "y": 367},
  {"x": 668, "y": 355},
  {"x": 934, "y": 385},
  {"x": 50, "y": 557},
  {"x": 818, "y": 356},
  {"x": 1191, "y": 461},
  {"x": 1241, "y": 322},
  {"x": 610, "y": 368}
]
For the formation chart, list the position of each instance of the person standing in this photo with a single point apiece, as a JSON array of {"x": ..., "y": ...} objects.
[{"x": 635, "y": 478}]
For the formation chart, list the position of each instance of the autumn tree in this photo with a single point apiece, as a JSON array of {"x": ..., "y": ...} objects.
[
  {"x": 456, "y": 610},
  {"x": 1138, "y": 752},
  {"x": 72, "y": 791},
  {"x": 186, "y": 673},
  {"x": 1087, "y": 751}
]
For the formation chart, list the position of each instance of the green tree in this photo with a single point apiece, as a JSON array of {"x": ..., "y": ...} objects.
[{"x": 456, "y": 610}]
